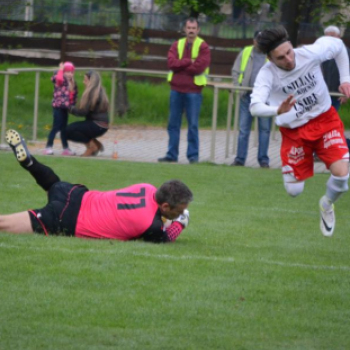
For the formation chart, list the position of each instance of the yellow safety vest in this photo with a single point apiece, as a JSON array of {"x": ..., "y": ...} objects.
[
  {"x": 244, "y": 61},
  {"x": 200, "y": 79}
]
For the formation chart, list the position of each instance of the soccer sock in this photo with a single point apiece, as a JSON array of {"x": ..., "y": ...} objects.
[
  {"x": 326, "y": 203},
  {"x": 336, "y": 186},
  {"x": 44, "y": 176}
]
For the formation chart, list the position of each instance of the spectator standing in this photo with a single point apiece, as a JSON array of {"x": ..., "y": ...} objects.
[
  {"x": 64, "y": 95},
  {"x": 188, "y": 61},
  {"x": 331, "y": 72},
  {"x": 244, "y": 71},
  {"x": 93, "y": 106}
]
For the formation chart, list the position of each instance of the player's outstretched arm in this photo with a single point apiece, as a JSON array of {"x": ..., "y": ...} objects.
[{"x": 16, "y": 223}]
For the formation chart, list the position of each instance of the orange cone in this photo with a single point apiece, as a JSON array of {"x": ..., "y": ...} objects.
[{"x": 115, "y": 150}]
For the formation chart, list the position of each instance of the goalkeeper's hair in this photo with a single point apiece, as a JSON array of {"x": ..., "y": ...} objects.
[{"x": 174, "y": 192}]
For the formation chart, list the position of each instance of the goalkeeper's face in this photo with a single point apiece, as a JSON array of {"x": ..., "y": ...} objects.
[{"x": 172, "y": 213}]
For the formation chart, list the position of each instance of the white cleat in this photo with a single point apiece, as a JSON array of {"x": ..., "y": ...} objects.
[{"x": 327, "y": 223}]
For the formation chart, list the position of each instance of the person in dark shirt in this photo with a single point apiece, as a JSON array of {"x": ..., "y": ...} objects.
[
  {"x": 93, "y": 106},
  {"x": 331, "y": 74}
]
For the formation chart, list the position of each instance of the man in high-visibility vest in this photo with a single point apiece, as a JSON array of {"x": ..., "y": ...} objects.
[
  {"x": 244, "y": 71},
  {"x": 188, "y": 61}
]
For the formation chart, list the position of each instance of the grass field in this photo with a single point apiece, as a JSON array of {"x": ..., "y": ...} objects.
[{"x": 252, "y": 270}]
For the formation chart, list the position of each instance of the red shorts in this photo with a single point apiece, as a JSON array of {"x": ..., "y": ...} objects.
[{"x": 323, "y": 135}]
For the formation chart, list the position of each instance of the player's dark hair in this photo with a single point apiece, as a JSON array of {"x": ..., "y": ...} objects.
[
  {"x": 269, "y": 39},
  {"x": 174, "y": 192}
]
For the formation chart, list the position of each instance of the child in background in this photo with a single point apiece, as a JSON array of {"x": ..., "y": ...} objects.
[{"x": 64, "y": 96}]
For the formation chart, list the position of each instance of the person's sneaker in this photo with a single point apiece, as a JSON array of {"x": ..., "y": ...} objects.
[
  {"x": 236, "y": 163},
  {"x": 48, "y": 151},
  {"x": 327, "y": 223},
  {"x": 68, "y": 152},
  {"x": 19, "y": 147},
  {"x": 166, "y": 160},
  {"x": 264, "y": 165}
]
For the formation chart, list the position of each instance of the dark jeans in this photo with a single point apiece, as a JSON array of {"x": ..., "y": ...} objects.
[
  {"x": 245, "y": 124},
  {"x": 335, "y": 102},
  {"x": 60, "y": 120},
  {"x": 191, "y": 104},
  {"x": 84, "y": 132}
]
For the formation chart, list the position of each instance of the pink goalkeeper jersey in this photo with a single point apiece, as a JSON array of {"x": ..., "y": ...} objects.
[{"x": 121, "y": 214}]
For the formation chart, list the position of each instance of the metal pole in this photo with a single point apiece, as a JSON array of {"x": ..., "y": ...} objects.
[
  {"x": 228, "y": 125},
  {"x": 4, "y": 109},
  {"x": 112, "y": 102},
  {"x": 274, "y": 129},
  {"x": 214, "y": 121},
  {"x": 36, "y": 104},
  {"x": 235, "y": 123},
  {"x": 256, "y": 136}
]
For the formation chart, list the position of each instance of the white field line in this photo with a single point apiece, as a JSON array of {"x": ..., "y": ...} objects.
[
  {"x": 230, "y": 260},
  {"x": 181, "y": 257}
]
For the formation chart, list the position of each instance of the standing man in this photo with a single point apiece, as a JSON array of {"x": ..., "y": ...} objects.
[
  {"x": 330, "y": 70},
  {"x": 244, "y": 72},
  {"x": 188, "y": 61},
  {"x": 292, "y": 88},
  {"x": 331, "y": 73}
]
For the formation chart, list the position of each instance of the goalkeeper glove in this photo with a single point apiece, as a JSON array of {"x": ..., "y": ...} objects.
[{"x": 184, "y": 218}]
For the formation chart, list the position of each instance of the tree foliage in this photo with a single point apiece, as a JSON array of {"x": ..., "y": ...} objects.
[
  {"x": 254, "y": 6},
  {"x": 194, "y": 8},
  {"x": 212, "y": 8}
]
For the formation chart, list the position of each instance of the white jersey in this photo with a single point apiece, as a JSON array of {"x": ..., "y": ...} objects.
[{"x": 273, "y": 85}]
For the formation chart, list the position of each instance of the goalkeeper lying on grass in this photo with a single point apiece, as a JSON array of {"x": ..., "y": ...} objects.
[{"x": 138, "y": 211}]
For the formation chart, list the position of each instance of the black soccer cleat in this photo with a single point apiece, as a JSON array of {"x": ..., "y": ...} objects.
[{"x": 19, "y": 147}]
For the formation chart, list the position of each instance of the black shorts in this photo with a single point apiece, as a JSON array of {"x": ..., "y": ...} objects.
[{"x": 59, "y": 216}]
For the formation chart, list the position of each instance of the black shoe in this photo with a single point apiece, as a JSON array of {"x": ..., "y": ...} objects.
[
  {"x": 235, "y": 163},
  {"x": 19, "y": 147},
  {"x": 264, "y": 165},
  {"x": 166, "y": 160},
  {"x": 193, "y": 161}
]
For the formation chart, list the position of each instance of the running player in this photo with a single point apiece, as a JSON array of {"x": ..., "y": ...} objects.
[
  {"x": 138, "y": 211},
  {"x": 291, "y": 87}
]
